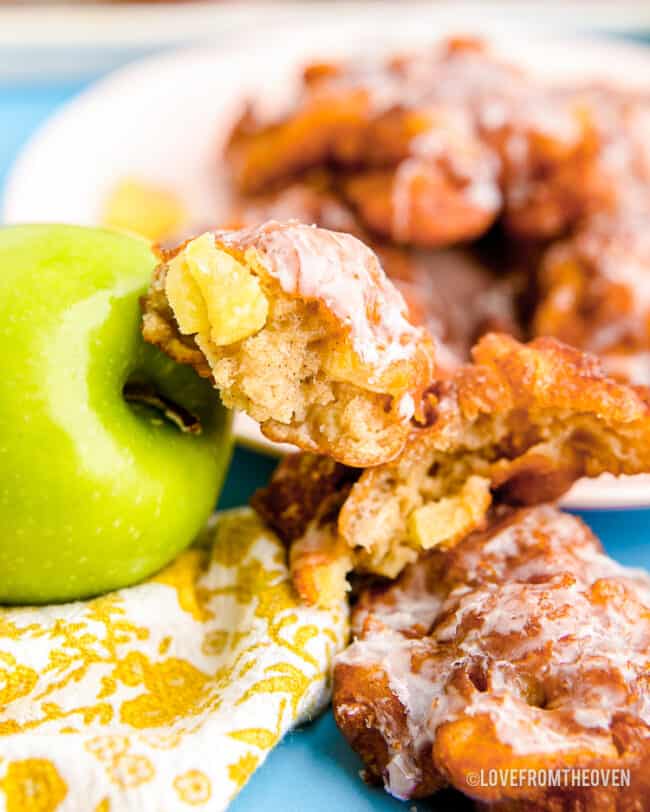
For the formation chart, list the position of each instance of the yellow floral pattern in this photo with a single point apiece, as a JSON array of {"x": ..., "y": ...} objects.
[
  {"x": 32, "y": 784},
  {"x": 193, "y": 787},
  {"x": 173, "y": 691}
]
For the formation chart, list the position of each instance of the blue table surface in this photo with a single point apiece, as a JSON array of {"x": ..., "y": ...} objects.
[{"x": 313, "y": 768}]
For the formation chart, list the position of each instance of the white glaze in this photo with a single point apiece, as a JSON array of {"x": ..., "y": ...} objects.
[{"x": 344, "y": 275}]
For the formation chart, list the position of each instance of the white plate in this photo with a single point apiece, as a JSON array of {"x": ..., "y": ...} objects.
[{"x": 162, "y": 119}]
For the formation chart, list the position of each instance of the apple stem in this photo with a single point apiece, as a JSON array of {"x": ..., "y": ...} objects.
[{"x": 145, "y": 393}]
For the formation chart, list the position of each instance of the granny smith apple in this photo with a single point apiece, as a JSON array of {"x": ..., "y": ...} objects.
[{"x": 111, "y": 455}]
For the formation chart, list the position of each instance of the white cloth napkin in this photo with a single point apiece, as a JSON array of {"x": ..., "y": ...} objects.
[{"x": 167, "y": 695}]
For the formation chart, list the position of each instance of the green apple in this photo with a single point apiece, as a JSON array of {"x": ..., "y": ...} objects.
[{"x": 101, "y": 482}]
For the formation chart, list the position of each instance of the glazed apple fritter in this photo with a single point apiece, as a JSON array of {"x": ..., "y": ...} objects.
[
  {"x": 409, "y": 163},
  {"x": 300, "y": 328},
  {"x": 519, "y": 425},
  {"x": 523, "y": 647},
  {"x": 430, "y": 148}
]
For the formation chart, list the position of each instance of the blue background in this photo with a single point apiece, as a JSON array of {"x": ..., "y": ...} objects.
[{"x": 313, "y": 768}]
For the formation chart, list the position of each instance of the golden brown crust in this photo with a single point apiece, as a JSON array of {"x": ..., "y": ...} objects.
[
  {"x": 554, "y": 172},
  {"x": 363, "y": 700},
  {"x": 523, "y": 647},
  {"x": 530, "y": 418},
  {"x": 419, "y": 204},
  {"x": 299, "y": 486},
  {"x": 159, "y": 326},
  {"x": 588, "y": 156}
]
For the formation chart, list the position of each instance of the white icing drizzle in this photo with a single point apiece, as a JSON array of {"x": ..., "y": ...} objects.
[
  {"x": 406, "y": 174},
  {"x": 392, "y": 653},
  {"x": 345, "y": 276}
]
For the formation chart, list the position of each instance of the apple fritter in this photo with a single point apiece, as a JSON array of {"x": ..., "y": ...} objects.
[
  {"x": 300, "y": 328},
  {"x": 432, "y": 147},
  {"x": 523, "y": 647},
  {"x": 517, "y": 426},
  {"x": 407, "y": 156}
]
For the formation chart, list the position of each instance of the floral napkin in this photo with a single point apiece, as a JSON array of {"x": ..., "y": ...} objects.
[{"x": 167, "y": 695}]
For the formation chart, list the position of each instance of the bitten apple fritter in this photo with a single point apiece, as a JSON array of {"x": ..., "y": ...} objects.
[
  {"x": 519, "y": 425},
  {"x": 300, "y": 328},
  {"x": 523, "y": 647}
]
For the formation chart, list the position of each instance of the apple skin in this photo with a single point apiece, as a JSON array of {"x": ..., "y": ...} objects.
[{"x": 95, "y": 493}]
